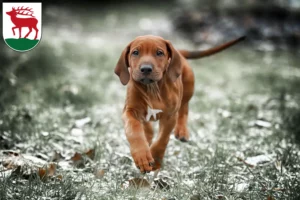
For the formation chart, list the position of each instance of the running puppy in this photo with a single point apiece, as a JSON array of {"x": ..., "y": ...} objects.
[{"x": 160, "y": 86}]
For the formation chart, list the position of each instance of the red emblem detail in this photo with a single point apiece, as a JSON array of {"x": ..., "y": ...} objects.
[{"x": 19, "y": 23}]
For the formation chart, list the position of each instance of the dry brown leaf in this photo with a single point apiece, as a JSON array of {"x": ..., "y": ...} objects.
[
  {"x": 59, "y": 177},
  {"x": 99, "y": 173},
  {"x": 78, "y": 160},
  {"x": 251, "y": 107},
  {"x": 270, "y": 198},
  {"x": 52, "y": 169},
  {"x": 48, "y": 171},
  {"x": 42, "y": 173},
  {"x": 176, "y": 153},
  {"x": 90, "y": 153},
  {"x": 76, "y": 157},
  {"x": 220, "y": 196},
  {"x": 279, "y": 189}
]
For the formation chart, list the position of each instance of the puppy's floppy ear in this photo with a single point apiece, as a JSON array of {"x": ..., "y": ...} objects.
[
  {"x": 121, "y": 68},
  {"x": 174, "y": 68}
]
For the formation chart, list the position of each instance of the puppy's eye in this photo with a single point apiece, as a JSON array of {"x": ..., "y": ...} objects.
[
  {"x": 135, "y": 52},
  {"x": 159, "y": 53}
]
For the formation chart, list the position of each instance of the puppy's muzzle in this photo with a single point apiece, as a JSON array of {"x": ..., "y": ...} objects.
[{"x": 146, "y": 70}]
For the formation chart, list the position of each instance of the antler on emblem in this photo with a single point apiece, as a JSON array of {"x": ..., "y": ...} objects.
[{"x": 24, "y": 11}]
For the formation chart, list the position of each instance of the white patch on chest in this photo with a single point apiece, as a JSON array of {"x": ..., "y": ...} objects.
[{"x": 152, "y": 112}]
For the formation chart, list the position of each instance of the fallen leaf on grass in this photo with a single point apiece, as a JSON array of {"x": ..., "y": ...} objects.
[
  {"x": 33, "y": 159},
  {"x": 176, "y": 152},
  {"x": 76, "y": 157},
  {"x": 78, "y": 160},
  {"x": 77, "y": 132},
  {"x": 252, "y": 107},
  {"x": 242, "y": 160},
  {"x": 90, "y": 153},
  {"x": 195, "y": 197},
  {"x": 99, "y": 173},
  {"x": 278, "y": 189},
  {"x": 44, "y": 133},
  {"x": 260, "y": 124},
  {"x": 42, "y": 156},
  {"x": 254, "y": 161},
  {"x": 259, "y": 159},
  {"x": 241, "y": 187},
  {"x": 20, "y": 165},
  {"x": 81, "y": 122},
  {"x": 48, "y": 172},
  {"x": 224, "y": 113},
  {"x": 26, "y": 166},
  {"x": 137, "y": 183},
  {"x": 81, "y": 159},
  {"x": 59, "y": 177},
  {"x": 12, "y": 159},
  {"x": 219, "y": 196},
  {"x": 270, "y": 198}
]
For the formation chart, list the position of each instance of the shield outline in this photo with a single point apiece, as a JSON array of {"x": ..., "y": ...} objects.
[{"x": 41, "y": 29}]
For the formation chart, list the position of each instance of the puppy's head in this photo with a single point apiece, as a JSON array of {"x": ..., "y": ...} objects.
[{"x": 148, "y": 58}]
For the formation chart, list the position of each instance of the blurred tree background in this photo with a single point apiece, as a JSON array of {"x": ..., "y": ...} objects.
[
  {"x": 269, "y": 25},
  {"x": 273, "y": 21}
]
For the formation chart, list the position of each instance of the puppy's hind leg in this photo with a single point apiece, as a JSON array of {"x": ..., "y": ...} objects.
[{"x": 181, "y": 130}]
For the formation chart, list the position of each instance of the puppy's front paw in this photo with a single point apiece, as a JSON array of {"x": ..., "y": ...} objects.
[
  {"x": 143, "y": 159},
  {"x": 158, "y": 154}
]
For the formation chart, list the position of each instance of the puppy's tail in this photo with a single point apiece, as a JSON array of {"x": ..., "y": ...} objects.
[{"x": 200, "y": 54}]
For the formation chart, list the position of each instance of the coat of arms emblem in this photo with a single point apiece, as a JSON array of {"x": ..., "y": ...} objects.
[{"x": 22, "y": 25}]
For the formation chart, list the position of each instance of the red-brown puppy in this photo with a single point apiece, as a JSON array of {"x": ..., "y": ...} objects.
[{"x": 160, "y": 85}]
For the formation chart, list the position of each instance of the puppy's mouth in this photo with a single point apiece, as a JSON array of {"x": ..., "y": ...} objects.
[{"x": 146, "y": 81}]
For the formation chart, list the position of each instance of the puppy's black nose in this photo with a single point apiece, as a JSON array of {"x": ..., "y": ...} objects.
[{"x": 146, "y": 69}]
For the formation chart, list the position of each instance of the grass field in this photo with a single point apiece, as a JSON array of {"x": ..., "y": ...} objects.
[{"x": 244, "y": 121}]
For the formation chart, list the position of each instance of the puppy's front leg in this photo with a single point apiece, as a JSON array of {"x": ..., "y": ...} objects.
[
  {"x": 158, "y": 148},
  {"x": 139, "y": 147}
]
